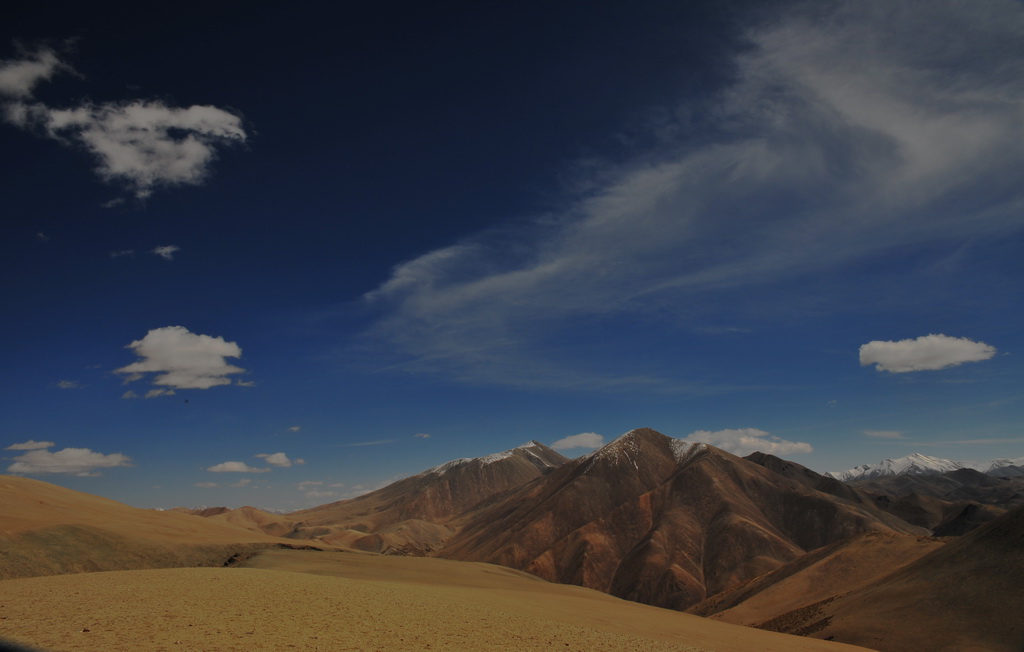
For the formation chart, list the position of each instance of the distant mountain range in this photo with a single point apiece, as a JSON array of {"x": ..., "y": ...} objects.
[{"x": 919, "y": 464}]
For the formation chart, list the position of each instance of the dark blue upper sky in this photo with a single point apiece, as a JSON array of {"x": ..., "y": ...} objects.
[{"x": 375, "y": 238}]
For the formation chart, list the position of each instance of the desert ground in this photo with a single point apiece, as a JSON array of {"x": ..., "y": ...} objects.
[{"x": 333, "y": 600}]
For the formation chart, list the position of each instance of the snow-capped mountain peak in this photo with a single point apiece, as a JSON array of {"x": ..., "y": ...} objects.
[{"x": 920, "y": 464}]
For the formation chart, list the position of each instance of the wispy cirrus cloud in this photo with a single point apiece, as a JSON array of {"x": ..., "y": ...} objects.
[
  {"x": 141, "y": 145},
  {"x": 851, "y": 130}
]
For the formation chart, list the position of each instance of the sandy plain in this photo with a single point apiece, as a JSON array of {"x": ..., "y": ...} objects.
[{"x": 322, "y": 600}]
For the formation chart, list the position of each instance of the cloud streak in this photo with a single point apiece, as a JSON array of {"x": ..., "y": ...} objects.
[
  {"x": 166, "y": 251},
  {"x": 235, "y": 467},
  {"x": 855, "y": 131},
  {"x": 30, "y": 445}
]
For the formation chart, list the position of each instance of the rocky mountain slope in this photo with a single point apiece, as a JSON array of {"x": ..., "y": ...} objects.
[
  {"x": 819, "y": 575},
  {"x": 661, "y": 521},
  {"x": 965, "y": 595}
]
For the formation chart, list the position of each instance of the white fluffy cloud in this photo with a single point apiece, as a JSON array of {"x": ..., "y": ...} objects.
[
  {"x": 848, "y": 130},
  {"x": 280, "y": 459},
  {"x": 744, "y": 441},
  {"x": 589, "y": 440},
  {"x": 75, "y": 461},
  {"x": 143, "y": 145},
  {"x": 182, "y": 360},
  {"x": 928, "y": 352},
  {"x": 235, "y": 467},
  {"x": 30, "y": 445}
]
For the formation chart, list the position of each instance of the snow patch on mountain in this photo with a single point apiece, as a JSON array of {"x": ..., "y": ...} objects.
[
  {"x": 684, "y": 450},
  {"x": 486, "y": 459}
]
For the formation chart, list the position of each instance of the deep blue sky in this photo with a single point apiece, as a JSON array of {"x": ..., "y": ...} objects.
[{"x": 730, "y": 221}]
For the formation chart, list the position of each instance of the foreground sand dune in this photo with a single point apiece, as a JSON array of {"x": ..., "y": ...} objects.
[{"x": 307, "y": 600}]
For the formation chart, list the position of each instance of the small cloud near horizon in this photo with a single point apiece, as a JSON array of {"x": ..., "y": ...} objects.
[
  {"x": 422, "y": 435},
  {"x": 280, "y": 459},
  {"x": 588, "y": 440},
  {"x": 73, "y": 461},
  {"x": 235, "y": 467},
  {"x": 744, "y": 441}
]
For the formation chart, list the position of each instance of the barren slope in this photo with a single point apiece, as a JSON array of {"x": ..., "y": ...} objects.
[
  {"x": 964, "y": 596},
  {"x": 46, "y": 529},
  {"x": 352, "y": 601}
]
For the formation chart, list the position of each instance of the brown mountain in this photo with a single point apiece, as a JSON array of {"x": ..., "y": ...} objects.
[
  {"x": 420, "y": 513},
  {"x": 661, "y": 521},
  {"x": 964, "y": 596}
]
